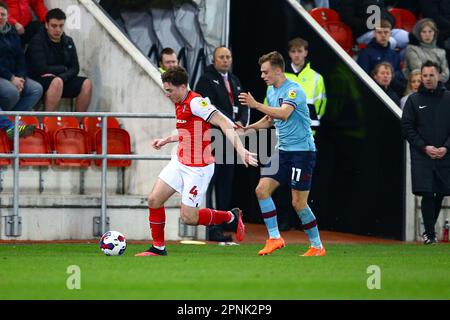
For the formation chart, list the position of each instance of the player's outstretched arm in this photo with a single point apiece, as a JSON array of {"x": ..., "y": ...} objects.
[
  {"x": 263, "y": 123},
  {"x": 159, "y": 143},
  {"x": 282, "y": 113},
  {"x": 227, "y": 128}
]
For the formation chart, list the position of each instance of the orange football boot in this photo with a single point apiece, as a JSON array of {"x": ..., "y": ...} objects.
[
  {"x": 314, "y": 252},
  {"x": 271, "y": 246}
]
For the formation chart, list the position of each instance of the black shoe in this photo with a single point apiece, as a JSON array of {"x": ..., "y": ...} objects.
[
  {"x": 152, "y": 252},
  {"x": 427, "y": 239}
]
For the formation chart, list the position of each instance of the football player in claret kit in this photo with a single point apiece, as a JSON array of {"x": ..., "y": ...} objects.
[
  {"x": 296, "y": 154},
  {"x": 190, "y": 172}
]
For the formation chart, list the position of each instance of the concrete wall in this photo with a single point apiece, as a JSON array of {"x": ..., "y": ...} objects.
[
  {"x": 124, "y": 81},
  {"x": 68, "y": 217}
]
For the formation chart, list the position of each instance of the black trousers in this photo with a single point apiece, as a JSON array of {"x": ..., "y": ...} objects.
[{"x": 431, "y": 207}]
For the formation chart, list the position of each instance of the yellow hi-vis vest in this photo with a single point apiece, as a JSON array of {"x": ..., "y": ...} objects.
[{"x": 314, "y": 87}]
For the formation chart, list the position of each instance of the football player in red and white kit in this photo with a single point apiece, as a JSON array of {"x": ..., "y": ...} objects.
[{"x": 191, "y": 171}]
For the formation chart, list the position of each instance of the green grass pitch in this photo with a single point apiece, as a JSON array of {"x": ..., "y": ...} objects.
[{"x": 407, "y": 271}]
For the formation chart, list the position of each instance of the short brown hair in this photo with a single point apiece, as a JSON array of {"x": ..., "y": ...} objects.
[
  {"x": 4, "y": 5},
  {"x": 384, "y": 24},
  {"x": 167, "y": 51},
  {"x": 382, "y": 64},
  {"x": 298, "y": 43},
  {"x": 176, "y": 76},
  {"x": 274, "y": 58}
]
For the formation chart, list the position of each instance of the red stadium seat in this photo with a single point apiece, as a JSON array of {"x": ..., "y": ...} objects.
[
  {"x": 5, "y": 147},
  {"x": 72, "y": 141},
  {"x": 404, "y": 19},
  {"x": 118, "y": 143},
  {"x": 53, "y": 124},
  {"x": 342, "y": 34},
  {"x": 324, "y": 15},
  {"x": 92, "y": 124},
  {"x": 36, "y": 143},
  {"x": 27, "y": 120}
]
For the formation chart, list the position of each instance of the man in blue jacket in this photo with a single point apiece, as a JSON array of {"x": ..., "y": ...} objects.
[
  {"x": 378, "y": 50},
  {"x": 17, "y": 91}
]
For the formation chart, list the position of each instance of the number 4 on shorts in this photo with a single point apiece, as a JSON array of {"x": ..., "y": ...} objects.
[{"x": 194, "y": 191}]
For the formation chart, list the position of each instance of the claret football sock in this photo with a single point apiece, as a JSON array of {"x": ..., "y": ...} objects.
[
  {"x": 269, "y": 214},
  {"x": 157, "y": 219},
  {"x": 209, "y": 217},
  {"x": 309, "y": 225}
]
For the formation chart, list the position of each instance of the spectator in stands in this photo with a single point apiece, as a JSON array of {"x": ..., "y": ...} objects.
[
  {"x": 414, "y": 81},
  {"x": 300, "y": 71},
  {"x": 222, "y": 87},
  {"x": 426, "y": 126},
  {"x": 378, "y": 50},
  {"x": 439, "y": 11},
  {"x": 53, "y": 62},
  {"x": 382, "y": 74},
  {"x": 17, "y": 91},
  {"x": 167, "y": 59},
  {"x": 21, "y": 17},
  {"x": 354, "y": 13},
  {"x": 422, "y": 48}
]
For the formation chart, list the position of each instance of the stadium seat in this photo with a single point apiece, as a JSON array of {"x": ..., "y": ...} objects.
[
  {"x": 118, "y": 143},
  {"x": 72, "y": 141},
  {"x": 324, "y": 15},
  {"x": 53, "y": 124},
  {"x": 27, "y": 120},
  {"x": 5, "y": 147},
  {"x": 36, "y": 143},
  {"x": 404, "y": 19},
  {"x": 92, "y": 124},
  {"x": 342, "y": 34}
]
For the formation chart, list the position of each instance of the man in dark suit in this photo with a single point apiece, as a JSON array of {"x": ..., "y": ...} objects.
[{"x": 222, "y": 88}]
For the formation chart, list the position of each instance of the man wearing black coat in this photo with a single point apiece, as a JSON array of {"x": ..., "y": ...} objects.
[
  {"x": 53, "y": 62},
  {"x": 223, "y": 88},
  {"x": 426, "y": 126}
]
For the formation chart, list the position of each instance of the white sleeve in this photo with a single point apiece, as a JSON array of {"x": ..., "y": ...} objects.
[{"x": 202, "y": 107}]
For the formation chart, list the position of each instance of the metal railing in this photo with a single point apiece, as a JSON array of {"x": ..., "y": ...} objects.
[{"x": 14, "y": 220}]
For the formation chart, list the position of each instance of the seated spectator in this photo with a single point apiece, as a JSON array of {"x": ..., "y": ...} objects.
[
  {"x": 21, "y": 17},
  {"x": 378, "y": 50},
  {"x": 167, "y": 59},
  {"x": 17, "y": 91},
  {"x": 354, "y": 14},
  {"x": 439, "y": 11},
  {"x": 382, "y": 74},
  {"x": 414, "y": 81},
  {"x": 53, "y": 62},
  {"x": 422, "y": 47}
]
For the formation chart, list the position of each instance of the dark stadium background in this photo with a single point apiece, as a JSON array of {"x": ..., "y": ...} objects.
[{"x": 358, "y": 185}]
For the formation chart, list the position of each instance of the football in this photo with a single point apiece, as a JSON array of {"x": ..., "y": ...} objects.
[{"x": 113, "y": 243}]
